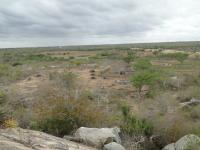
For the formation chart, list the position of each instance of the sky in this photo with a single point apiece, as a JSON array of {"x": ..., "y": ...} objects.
[{"x": 27, "y": 23}]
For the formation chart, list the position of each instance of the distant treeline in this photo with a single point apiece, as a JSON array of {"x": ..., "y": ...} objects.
[{"x": 189, "y": 46}]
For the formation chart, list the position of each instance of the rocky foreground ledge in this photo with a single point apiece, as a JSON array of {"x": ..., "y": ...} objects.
[
  {"x": 22, "y": 139},
  {"x": 96, "y": 138}
]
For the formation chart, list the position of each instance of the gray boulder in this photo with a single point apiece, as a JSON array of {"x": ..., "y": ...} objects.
[
  {"x": 188, "y": 142},
  {"x": 192, "y": 102},
  {"x": 113, "y": 146},
  {"x": 175, "y": 82},
  {"x": 98, "y": 137},
  {"x": 21, "y": 139},
  {"x": 169, "y": 147}
]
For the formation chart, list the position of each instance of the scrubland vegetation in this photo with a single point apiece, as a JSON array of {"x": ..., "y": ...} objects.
[{"x": 140, "y": 90}]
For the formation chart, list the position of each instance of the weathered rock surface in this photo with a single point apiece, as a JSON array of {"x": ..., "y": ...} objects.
[
  {"x": 113, "y": 146},
  {"x": 169, "y": 147},
  {"x": 185, "y": 143},
  {"x": 175, "y": 82},
  {"x": 190, "y": 103},
  {"x": 157, "y": 140},
  {"x": 98, "y": 137},
  {"x": 22, "y": 139}
]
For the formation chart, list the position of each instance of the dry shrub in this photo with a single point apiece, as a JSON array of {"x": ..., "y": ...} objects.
[
  {"x": 59, "y": 112},
  {"x": 173, "y": 132},
  {"x": 195, "y": 113},
  {"x": 10, "y": 123},
  {"x": 169, "y": 121},
  {"x": 188, "y": 93},
  {"x": 174, "y": 126}
]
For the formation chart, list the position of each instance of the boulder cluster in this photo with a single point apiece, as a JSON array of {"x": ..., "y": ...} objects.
[{"x": 83, "y": 139}]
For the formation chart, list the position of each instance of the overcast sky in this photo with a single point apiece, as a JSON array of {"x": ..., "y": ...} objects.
[{"x": 70, "y": 22}]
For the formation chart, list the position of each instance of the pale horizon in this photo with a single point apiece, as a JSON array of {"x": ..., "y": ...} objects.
[{"x": 45, "y": 23}]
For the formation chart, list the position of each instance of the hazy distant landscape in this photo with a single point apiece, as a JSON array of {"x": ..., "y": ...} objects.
[
  {"x": 145, "y": 89},
  {"x": 99, "y": 75}
]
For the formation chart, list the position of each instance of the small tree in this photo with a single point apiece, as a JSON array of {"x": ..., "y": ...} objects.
[
  {"x": 143, "y": 78},
  {"x": 130, "y": 57},
  {"x": 143, "y": 64},
  {"x": 181, "y": 57}
]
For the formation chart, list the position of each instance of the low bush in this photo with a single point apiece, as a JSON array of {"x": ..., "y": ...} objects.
[
  {"x": 16, "y": 64},
  {"x": 41, "y": 57},
  {"x": 131, "y": 56},
  {"x": 10, "y": 123},
  {"x": 56, "y": 126},
  {"x": 4, "y": 70},
  {"x": 9, "y": 73},
  {"x": 2, "y": 97},
  {"x": 60, "y": 116},
  {"x": 2, "y": 117},
  {"x": 178, "y": 56},
  {"x": 133, "y": 125},
  {"x": 2, "y": 103},
  {"x": 61, "y": 110}
]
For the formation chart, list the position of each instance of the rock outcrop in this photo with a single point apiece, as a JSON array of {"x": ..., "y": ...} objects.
[
  {"x": 188, "y": 142},
  {"x": 22, "y": 139},
  {"x": 192, "y": 102},
  {"x": 98, "y": 137},
  {"x": 113, "y": 146},
  {"x": 175, "y": 82}
]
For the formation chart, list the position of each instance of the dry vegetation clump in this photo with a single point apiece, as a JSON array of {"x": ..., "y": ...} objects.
[
  {"x": 10, "y": 123},
  {"x": 9, "y": 73},
  {"x": 63, "y": 96},
  {"x": 6, "y": 118},
  {"x": 63, "y": 109}
]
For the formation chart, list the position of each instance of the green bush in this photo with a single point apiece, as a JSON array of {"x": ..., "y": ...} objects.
[
  {"x": 9, "y": 73},
  {"x": 2, "y": 102},
  {"x": 79, "y": 61},
  {"x": 142, "y": 64},
  {"x": 131, "y": 56},
  {"x": 178, "y": 56},
  {"x": 16, "y": 64},
  {"x": 2, "y": 116},
  {"x": 4, "y": 70},
  {"x": 104, "y": 54},
  {"x": 56, "y": 126},
  {"x": 2, "y": 97},
  {"x": 133, "y": 125}
]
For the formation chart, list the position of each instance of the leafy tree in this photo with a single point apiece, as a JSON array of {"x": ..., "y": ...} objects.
[
  {"x": 144, "y": 78},
  {"x": 145, "y": 74},
  {"x": 143, "y": 64},
  {"x": 130, "y": 57},
  {"x": 181, "y": 57}
]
